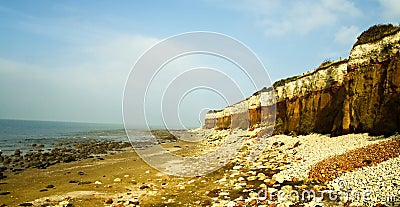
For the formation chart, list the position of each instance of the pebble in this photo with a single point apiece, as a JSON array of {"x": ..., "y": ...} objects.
[
  {"x": 64, "y": 204},
  {"x": 116, "y": 180},
  {"x": 381, "y": 180},
  {"x": 26, "y": 204},
  {"x": 237, "y": 167},
  {"x": 108, "y": 201},
  {"x": 251, "y": 178},
  {"x": 315, "y": 147},
  {"x": 280, "y": 178}
]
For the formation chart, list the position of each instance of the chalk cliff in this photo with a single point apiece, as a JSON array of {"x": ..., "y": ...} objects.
[{"x": 358, "y": 94}]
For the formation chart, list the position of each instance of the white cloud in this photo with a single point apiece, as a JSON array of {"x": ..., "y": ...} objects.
[
  {"x": 299, "y": 17},
  {"x": 347, "y": 35},
  {"x": 391, "y": 10}
]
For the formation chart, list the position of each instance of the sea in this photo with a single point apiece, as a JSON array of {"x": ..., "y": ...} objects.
[{"x": 28, "y": 135}]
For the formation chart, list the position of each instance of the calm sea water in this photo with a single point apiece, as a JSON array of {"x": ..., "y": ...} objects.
[{"x": 24, "y": 134}]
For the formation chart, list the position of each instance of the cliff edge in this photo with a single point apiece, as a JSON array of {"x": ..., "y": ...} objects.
[{"x": 358, "y": 94}]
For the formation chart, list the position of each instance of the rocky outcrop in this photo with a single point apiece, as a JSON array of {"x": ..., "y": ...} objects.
[{"x": 358, "y": 94}]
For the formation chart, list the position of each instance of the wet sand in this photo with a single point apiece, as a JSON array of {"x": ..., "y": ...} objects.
[{"x": 78, "y": 182}]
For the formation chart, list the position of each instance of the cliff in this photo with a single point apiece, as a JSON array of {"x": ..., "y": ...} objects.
[{"x": 354, "y": 95}]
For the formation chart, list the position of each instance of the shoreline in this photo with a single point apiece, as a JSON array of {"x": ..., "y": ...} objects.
[{"x": 125, "y": 179}]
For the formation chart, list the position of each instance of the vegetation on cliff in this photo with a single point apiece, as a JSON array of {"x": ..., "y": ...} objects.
[{"x": 376, "y": 32}]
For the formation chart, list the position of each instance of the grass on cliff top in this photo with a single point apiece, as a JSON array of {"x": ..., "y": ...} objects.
[
  {"x": 324, "y": 65},
  {"x": 375, "y": 33}
]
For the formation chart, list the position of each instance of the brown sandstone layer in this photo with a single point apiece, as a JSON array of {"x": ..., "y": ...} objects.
[{"x": 354, "y": 95}]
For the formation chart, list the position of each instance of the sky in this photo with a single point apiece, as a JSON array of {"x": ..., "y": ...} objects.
[{"x": 70, "y": 60}]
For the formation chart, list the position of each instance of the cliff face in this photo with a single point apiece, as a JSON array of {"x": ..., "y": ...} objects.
[
  {"x": 358, "y": 94},
  {"x": 312, "y": 102},
  {"x": 372, "y": 102}
]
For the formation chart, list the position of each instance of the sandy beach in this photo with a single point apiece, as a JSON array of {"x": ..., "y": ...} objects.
[{"x": 124, "y": 179}]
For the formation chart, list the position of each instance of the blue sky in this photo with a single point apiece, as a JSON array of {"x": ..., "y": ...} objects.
[{"x": 69, "y": 60}]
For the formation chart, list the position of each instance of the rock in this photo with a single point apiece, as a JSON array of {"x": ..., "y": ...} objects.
[
  {"x": 143, "y": 187},
  {"x": 64, "y": 204},
  {"x": 367, "y": 162},
  {"x": 17, "y": 152},
  {"x": 97, "y": 182},
  {"x": 131, "y": 202},
  {"x": 294, "y": 180},
  {"x": 108, "y": 201},
  {"x": 251, "y": 178},
  {"x": 25, "y": 204},
  {"x": 261, "y": 176},
  {"x": 81, "y": 173},
  {"x": 279, "y": 178},
  {"x": 224, "y": 193},
  {"x": 50, "y": 186},
  {"x": 237, "y": 167},
  {"x": 117, "y": 180},
  {"x": 5, "y": 193},
  {"x": 2, "y": 175}
]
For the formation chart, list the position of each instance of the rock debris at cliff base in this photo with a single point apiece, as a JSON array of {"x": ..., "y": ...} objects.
[
  {"x": 286, "y": 163},
  {"x": 370, "y": 155}
]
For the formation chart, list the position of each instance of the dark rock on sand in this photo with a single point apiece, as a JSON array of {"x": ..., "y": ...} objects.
[
  {"x": 143, "y": 187},
  {"x": 17, "y": 152},
  {"x": 50, "y": 186},
  {"x": 109, "y": 201},
  {"x": 2, "y": 175},
  {"x": 25, "y": 204}
]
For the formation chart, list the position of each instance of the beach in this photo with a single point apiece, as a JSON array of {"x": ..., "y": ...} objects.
[{"x": 122, "y": 178}]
